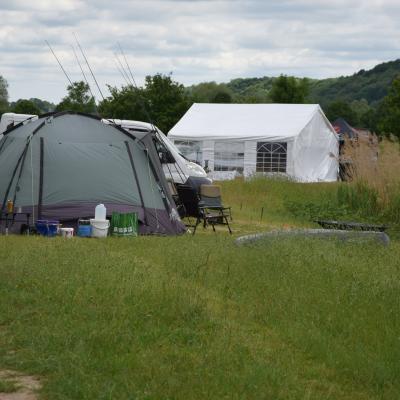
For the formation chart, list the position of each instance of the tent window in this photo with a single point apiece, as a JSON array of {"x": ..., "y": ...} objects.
[
  {"x": 229, "y": 156},
  {"x": 271, "y": 157},
  {"x": 192, "y": 150},
  {"x": 164, "y": 154}
]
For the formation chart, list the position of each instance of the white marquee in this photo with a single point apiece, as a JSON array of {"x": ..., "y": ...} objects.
[{"x": 294, "y": 139}]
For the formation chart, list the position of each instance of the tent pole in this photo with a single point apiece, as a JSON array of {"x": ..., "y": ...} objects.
[
  {"x": 137, "y": 181},
  {"x": 18, "y": 162},
  {"x": 40, "y": 201},
  {"x": 20, "y": 171},
  {"x": 12, "y": 177},
  {"x": 3, "y": 144}
]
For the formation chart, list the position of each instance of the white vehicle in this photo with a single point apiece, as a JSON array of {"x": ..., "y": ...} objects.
[
  {"x": 9, "y": 120},
  {"x": 175, "y": 165}
]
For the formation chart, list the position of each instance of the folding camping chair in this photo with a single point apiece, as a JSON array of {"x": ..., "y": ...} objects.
[
  {"x": 211, "y": 209},
  {"x": 206, "y": 208}
]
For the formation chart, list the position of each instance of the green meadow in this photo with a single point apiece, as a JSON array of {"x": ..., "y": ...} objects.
[{"x": 197, "y": 317}]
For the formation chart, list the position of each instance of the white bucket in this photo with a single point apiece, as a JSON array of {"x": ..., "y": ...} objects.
[
  {"x": 67, "y": 232},
  {"x": 99, "y": 227}
]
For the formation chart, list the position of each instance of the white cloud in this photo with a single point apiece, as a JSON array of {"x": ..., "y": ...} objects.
[{"x": 199, "y": 40}]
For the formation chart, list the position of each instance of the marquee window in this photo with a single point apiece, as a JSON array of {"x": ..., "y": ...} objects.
[
  {"x": 191, "y": 149},
  {"x": 229, "y": 156},
  {"x": 271, "y": 157}
]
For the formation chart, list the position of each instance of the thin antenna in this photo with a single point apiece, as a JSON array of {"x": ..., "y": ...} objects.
[
  {"x": 83, "y": 73},
  {"x": 59, "y": 63},
  {"x": 122, "y": 70},
  {"x": 90, "y": 69}
]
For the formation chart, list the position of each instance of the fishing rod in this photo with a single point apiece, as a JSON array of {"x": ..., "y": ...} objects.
[
  {"x": 90, "y": 69},
  {"x": 126, "y": 62},
  {"x": 59, "y": 63},
  {"x": 153, "y": 127},
  {"x": 136, "y": 87},
  {"x": 122, "y": 71},
  {"x": 83, "y": 72}
]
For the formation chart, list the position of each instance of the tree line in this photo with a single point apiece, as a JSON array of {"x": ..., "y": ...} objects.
[{"x": 163, "y": 101}]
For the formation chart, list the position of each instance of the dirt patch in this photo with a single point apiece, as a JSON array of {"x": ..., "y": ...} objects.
[{"x": 27, "y": 385}]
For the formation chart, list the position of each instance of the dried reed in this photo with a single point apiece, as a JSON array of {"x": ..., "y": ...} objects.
[{"x": 372, "y": 172}]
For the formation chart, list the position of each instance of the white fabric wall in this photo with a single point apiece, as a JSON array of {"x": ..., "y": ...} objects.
[
  {"x": 315, "y": 152},
  {"x": 250, "y": 158},
  {"x": 208, "y": 153},
  {"x": 312, "y": 155},
  {"x": 290, "y": 160}
]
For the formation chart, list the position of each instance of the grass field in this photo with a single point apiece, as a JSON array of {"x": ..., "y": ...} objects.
[{"x": 198, "y": 317}]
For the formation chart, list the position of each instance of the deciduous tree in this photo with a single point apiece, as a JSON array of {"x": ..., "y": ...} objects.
[
  {"x": 78, "y": 99},
  {"x": 341, "y": 109},
  {"x": 23, "y": 106},
  {"x": 210, "y": 92},
  {"x": 288, "y": 89},
  {"x": 125, "y": 103},
  {"x": 389, "y": 111},
  {"x": 3, "y": 95},
  {"x": 166, "y": 99},
  {"x": 161, "y": 101},
  {"x": 222, "y": 97}
]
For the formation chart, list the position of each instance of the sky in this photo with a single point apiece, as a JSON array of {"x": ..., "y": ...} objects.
[{"x": 195, "y": 40}]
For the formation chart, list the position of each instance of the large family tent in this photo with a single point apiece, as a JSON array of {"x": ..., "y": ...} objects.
[
  {"x": 292, "y": 139},
  {"x": 62, "y": 165}
]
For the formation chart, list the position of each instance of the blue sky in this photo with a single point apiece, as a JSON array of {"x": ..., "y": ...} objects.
[{"x": 198, "y": 40}]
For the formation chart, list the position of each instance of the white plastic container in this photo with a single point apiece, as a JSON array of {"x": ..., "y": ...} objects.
[
  {"x": 100, "y": 213},
  {"x": 67, "y": 232},
  {"x": 99, "y": 227}
]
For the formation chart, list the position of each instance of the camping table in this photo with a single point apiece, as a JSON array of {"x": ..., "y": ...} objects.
[
  {"x": 10, "y": 218},
  {"x": 350, "y": 226}
]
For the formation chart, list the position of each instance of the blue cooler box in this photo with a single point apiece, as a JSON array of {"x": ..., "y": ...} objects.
[{"x": 47, "y": 227}]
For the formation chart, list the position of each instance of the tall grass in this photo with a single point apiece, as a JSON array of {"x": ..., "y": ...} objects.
[
  {"x": 373, "y": 189},
  {"x": 265, "y": 203},
  {"x": 360, "y": 197},
  {"x": 262, "y": 202}
]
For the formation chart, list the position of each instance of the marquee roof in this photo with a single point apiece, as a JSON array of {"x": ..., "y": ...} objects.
[{"x": 245, "y": 121}]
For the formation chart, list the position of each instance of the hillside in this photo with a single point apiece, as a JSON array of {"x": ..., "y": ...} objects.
[{"x": 371, "y": 85}]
